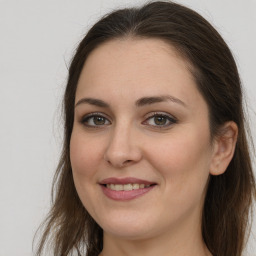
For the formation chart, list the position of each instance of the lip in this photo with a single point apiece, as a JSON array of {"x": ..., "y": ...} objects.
[
  {"x": 127, "y": 180},
  {"x": 125, "y": 195}
]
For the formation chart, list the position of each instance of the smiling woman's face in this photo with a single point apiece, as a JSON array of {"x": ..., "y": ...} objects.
[{"x": 140, "y": 120}]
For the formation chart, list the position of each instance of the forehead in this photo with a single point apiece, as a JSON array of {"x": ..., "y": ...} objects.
[
  {"x": 136, "y": 67},
  {"x": 134, "y": 54}
]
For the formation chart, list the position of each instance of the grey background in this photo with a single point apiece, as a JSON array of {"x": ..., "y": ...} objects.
[{"x": 37, "y": 39}]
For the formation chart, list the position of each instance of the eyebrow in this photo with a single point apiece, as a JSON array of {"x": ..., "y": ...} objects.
[
  {"x": 156, "y": 99},
  {"x": 139, "y": 103},
  {"x": 92, "y": 101}
]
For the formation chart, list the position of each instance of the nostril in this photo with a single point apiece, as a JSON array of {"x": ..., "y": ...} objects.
[{"x": 125, "y": 163}]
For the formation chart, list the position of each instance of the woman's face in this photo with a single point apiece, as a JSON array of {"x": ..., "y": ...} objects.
[{"x": 140, "y": 122}]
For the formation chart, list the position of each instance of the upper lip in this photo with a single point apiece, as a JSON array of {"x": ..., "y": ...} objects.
[{"x": 128, "y": 180}]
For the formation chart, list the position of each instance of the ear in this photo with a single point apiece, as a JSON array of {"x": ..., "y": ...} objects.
[{"x": 224, "y": 148}]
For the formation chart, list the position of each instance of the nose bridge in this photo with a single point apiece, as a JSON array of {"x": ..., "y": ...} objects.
[{"x": 122, "y": 147}]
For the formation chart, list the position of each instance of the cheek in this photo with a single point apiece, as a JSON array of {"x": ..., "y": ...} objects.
[
  {"x": 183, "y": 161},
  {"x": 84, "y": 155},
  {"x": 85, "y": 159}
]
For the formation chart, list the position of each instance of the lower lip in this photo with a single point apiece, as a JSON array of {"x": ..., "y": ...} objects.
[{"x": 125, "y": 195}]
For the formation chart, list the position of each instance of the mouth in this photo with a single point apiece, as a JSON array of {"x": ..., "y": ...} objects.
[{"x": 125, "y": 188}]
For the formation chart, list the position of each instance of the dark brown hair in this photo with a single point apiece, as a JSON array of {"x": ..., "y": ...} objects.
[{"x": 225, "y": 220}]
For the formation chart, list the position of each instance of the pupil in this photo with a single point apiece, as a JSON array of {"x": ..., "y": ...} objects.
[
  {"x": 160, "y": 120},
  {"x": 99, "y": 120}
]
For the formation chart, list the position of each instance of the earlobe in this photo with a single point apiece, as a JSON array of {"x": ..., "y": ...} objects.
[{"x": 224, "y": 148}]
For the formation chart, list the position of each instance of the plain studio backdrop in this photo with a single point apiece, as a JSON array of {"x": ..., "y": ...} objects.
[{"x": 37, "y": 40}]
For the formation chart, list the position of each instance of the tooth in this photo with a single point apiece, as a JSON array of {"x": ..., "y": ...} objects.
[
  {"x": 119, "y": 187},
  {"x": 127, "y": 187},
  {"x": 135, "y": 186}
]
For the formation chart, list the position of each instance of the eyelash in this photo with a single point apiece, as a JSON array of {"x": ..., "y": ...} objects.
[
  {"x": 168, "y": 118},
  {"x": 87, "y": 118}
]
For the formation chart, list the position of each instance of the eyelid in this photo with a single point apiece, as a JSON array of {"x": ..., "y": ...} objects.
[
  {"x": 170, "y": 117},
  {"x": 160, "y": 113},
  {"x": 93, "y": 114}
]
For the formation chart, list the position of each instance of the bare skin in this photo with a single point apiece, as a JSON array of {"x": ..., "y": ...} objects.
[{"x": 118, "y": 132}]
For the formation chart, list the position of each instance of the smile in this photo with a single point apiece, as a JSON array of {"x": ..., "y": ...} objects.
[{"x": 126, "y": 187}]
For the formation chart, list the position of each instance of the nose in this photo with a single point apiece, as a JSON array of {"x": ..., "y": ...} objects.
[{"x": 123, "y": 148}]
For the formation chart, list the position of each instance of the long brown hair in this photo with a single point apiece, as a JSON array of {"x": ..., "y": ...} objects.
[{"x": 225, "y": 220}]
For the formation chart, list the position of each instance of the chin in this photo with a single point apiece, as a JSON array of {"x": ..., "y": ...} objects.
[{"x": 129, "y": 228}]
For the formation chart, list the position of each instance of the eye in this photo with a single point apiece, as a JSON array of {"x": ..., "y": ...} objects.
[
  {"x": 95, "y": 120},
  {"x": 160, "y": 120}
]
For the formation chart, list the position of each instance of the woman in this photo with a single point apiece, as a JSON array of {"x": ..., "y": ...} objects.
[{"x": 155, "y": 156}]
